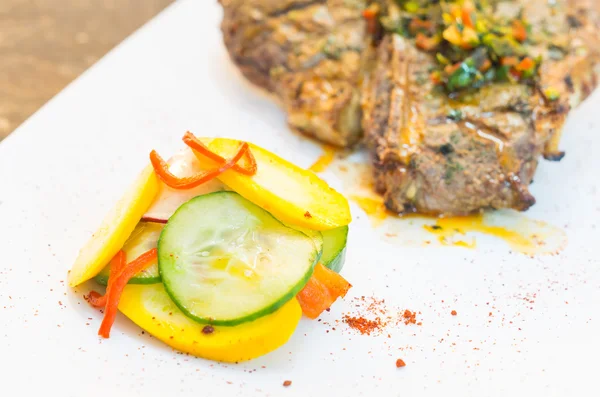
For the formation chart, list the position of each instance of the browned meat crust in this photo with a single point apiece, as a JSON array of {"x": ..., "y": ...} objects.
[
  {"x": 308, "y": 52},
  {"x": 425, "y": 161}
]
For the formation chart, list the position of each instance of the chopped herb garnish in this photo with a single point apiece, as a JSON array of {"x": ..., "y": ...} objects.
[
  {"x": 472, "y": 46},
  {"x": 455, "y": 114},
  {"x": 551, "y": 94},
  {"x": 446, "y": 149},
  {"x": 331, "y": 48},
  {"x": 463, "y": 77},
  {"x": 455, "y": 137},
  {"x": 452, "y": 168}
]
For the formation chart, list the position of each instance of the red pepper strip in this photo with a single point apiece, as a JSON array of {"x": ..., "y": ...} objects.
[
  {"x": 117, "y": 286},
  {"x": 116, "y": 265},
  {"x": 436, "y": 77},
  {"x": 419, "y": 25},
  {"x": 195, "y": 144},
  {"x": 509, "y": 61},
  {"x": 427, "y": 43},
  {"x": 162, "y": 170},
  {"x": 487, "y": 64},
  {"x": 515, "y": 73},
  {"x": 449, "y": 69},
  {"x": 519, "y": 31},
  {"x": 322, "y": 289},
  {"x": 525, "y": 64},
  {"x": 466, "y": 18},
  {"x": 370, "y": 15}
]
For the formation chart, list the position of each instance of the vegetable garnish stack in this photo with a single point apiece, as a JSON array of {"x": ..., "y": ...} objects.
[{"x": 218, "y": 251}]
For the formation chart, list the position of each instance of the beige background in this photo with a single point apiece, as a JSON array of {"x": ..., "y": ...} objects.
[{"x": 45, "y": 44}]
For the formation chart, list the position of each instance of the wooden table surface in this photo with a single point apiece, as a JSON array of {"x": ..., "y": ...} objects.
[{"x": 45, "y": 44}]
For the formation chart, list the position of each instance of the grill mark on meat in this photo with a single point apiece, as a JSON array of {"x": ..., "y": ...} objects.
[
  {"x": 295, "y": 7},
  {"x": 478, "y": 125},
  {"x": 409, "y": 129},
  {"x": 405, "y": 132},
  {"x": 574, "y": 22},
  {"x": 569, "y": 84},
  {"x": 247, "y": 62},
  {"x": 507, "y": 161},
  {"x": 485, "y": 133},
  {"x": 401, "y": 128}
]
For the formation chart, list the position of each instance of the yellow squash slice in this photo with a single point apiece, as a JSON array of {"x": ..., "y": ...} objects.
[
  {"x": 150, "y": 307},
  {"x": 115, "y": 229},
  {"x": 293, "y": 195}
]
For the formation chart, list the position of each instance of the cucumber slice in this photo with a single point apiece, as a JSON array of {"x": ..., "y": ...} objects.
[
  {"x": 144, "y": 238},
  {"x": 315, "y": 235},
  {"x": 317, "y": 239},
  {"x": 334, "y": 248},
  {"x": 226, "y": 261}
]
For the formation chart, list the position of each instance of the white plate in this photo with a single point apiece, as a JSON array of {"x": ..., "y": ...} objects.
[{"x": 63, "y": 169}]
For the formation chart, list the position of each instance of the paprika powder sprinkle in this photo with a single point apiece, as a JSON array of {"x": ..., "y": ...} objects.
[
  {"x": 372, "y": 316},
  {"x": 409, "y": 317},
  {"x": 453, "y": 312},
  {"x": 363, "y": 325},
  {"x": 400, "y": 363}
]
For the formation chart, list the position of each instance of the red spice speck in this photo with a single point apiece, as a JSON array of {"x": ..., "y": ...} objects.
[
  {"x": 307, "y": 215},
  {"x": 208, "y": 329},
  {"x": 400, "y": 363},
  {"x": 453, "y": 312},
  {"x": 409, "y": 317},
  {"x": 287, "y": 383}
]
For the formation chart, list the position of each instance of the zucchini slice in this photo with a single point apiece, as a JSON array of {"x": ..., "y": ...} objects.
[
  {"x": 150, "y": 307},
  {"x": 225, "y": 261},
  {"x": 334, "y": 248},
  {"x": 144, "y": 238}
]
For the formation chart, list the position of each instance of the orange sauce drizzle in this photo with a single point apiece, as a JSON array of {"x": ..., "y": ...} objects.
[
  {"x": 451, "y": 230},
  {"x": 324, "y": 160},
  {"x": 522, "y": 234},
  {"x": 373, "y": 207}
]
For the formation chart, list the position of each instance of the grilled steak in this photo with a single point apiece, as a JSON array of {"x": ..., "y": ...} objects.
[
  {"x": 307, "y": 52},
  {"x": 441, "y": 155},
  {"x": 444, "y": 140},
  {"x": 425, "y": 161}
]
